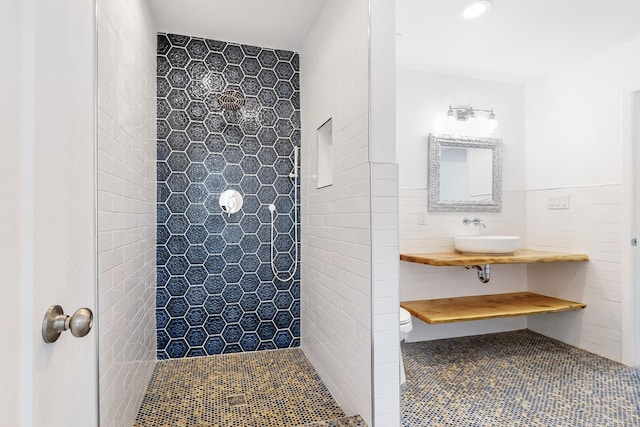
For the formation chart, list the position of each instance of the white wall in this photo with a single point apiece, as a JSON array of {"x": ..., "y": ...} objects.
[
  {"x": 422, "y": 103},
  {"x": 126, "y": 206},
  {"x": 10, "y": 219},
  {"x": 578, "y": 144},
  {"x": 384, "y": 209},
  {"x": 382, "y": 72},
  {"x": 336, "y": 240},
  {"x": 574, "y": 121},
  {"x": 592, "y": 225}
]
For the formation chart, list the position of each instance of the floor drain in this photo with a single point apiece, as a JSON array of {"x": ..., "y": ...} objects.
[{"x": 235, "y": 400}]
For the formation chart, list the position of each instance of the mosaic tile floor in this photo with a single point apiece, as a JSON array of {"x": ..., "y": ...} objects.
[
  {"x": 356, "y": 421},
  {"x": 515, "y": 379},
  {"x": 280, "y": 386}
]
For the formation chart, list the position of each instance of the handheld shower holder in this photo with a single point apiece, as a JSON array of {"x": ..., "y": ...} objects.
[{"x": 294, "y": 172}]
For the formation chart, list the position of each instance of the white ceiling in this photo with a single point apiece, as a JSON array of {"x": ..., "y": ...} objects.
[
  {"x": 517, "y": 40},
  {"x": 279, "y": 24}
]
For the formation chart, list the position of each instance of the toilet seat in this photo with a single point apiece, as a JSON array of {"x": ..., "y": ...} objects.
[
  {"x": 405, "y": 316},
  {"x": 406, "y": 325}
]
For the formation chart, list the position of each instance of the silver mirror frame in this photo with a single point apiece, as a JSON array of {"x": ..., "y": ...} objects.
[{"x": 435, "y": 144}]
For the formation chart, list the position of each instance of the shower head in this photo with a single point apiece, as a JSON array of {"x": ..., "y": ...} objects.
[{"x": 232, "y": 100}]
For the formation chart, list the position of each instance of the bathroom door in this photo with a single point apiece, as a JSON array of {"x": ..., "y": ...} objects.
[
  {"x": 47, "y": 200},
  {"x": 635, "y": 141}
]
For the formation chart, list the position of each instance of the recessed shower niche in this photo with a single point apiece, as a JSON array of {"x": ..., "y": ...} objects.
[
  {"x": 324, "y": 147},
  {"x": 228, "y": 120}
]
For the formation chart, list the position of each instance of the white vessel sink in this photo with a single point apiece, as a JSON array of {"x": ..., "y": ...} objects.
[{"x": 492, "y": 245}]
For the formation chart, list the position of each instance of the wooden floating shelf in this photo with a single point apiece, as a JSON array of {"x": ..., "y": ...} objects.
[
  {"x": 461, "y": 309},
  {"x": 520, "y": 257}
]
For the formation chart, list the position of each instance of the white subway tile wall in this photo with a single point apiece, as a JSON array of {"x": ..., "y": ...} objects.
[
  {"x": 592, "y": 224},
  {"x": 565, "y": 137},
  {"x": 336, "y": 237},
  {"x": 126, "y": 206},
  {"x": 436, "y": 235},
  {"x": 440, "y": 227},
  {"x": 386, "y": 333}
]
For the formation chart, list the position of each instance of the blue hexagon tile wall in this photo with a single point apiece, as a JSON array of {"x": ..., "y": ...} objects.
[{"x": 216, "y": 292}]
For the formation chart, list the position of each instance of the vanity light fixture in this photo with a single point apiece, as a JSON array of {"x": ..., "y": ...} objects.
[
  {"x": 493, "y": 123},
  {"x": 476, "y": 9},
  {"x": 466, "y": 113}
]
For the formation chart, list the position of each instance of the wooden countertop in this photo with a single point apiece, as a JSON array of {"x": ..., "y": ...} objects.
[
  {"x": 459, "y": 309},
  {"x": 520, "y": 257}
]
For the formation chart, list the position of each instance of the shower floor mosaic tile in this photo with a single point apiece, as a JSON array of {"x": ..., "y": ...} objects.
[
  {"x": 280, "y": 386},
  {"x": 356, "y": 421},
  {"x": 515, "y": 379}
]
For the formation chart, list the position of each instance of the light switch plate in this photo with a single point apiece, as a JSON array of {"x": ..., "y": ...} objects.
[
  {"x": 558, "y": 202},
  {"x": 422, "y": 218}
]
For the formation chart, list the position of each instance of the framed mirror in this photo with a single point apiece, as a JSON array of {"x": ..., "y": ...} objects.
[{"x": 465, "y": 174}]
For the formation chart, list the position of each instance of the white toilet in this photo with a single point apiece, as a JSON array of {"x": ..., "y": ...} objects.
[{"x": 405, "y": 327}]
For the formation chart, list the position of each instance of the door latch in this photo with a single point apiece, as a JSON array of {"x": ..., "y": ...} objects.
[{"x": 55, "y": 322}]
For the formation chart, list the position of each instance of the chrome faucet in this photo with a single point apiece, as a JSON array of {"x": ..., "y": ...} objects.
[{"x": 475, "y": 221}]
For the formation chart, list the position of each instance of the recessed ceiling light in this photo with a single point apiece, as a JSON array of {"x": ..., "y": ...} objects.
[{"x": 475, "y": 9}]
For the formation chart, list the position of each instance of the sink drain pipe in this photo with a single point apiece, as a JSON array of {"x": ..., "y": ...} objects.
[{"x": 484, "y": 272}]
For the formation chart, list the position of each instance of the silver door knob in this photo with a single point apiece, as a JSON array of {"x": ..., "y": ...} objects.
[{"x": 55, "y": 322}]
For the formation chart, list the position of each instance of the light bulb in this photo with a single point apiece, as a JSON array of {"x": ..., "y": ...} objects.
[
  {"x": 493, "y": 123},
  {"x": 475, "y": 9},
  {"x": 450, "y": 114}
]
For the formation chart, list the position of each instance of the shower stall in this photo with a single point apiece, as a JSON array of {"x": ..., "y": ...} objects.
[
  {"x": 91, "y": 201},
  {"x": 227, "y": 274}
]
